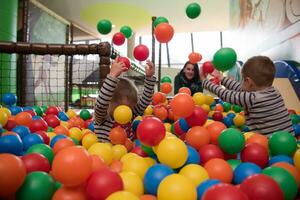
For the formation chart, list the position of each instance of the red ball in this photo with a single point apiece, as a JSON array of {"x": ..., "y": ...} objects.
[
  {"x": 139, "y": 151},
  {"x": 52, "y": 120},
  {"x": 141, "y": 52},
  {"x": 38, "y": 125},
  {"x": 52, "y": 110},
  {"x": 118, "y": 38},
  {"x": 195, "y": 57},
  {"x": 44, "y": 135},
  {"x": 102, "y": 183},
  {"x": 185, "y": 90},
  {"x": 208, "y": 67},
  {"x": 151, "y": 131},
  {"x": 36, "y": 162},
  {"x": 166, "y": 88},
  {"x": 198, "y": 118},
  {"x": 197, "y": 136},
  {"x": 256, "y": 154},
  {"x": 260, "y": 186},
  {"x": 10, "y": 124},
  {"x": 125, "y": 61},
  {"x": 210, "y": 151},
  {"x": 182, "y": 105},
  {"x": 160, "y": 112},
  {"x": 31, "y": 112},
  {"x": 217, "y": 116},
  {"x": 224, "y": 191}
]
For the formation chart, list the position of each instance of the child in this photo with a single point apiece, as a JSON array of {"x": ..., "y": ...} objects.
[
  {"x": 265, "y": 111},
  {"x": 120, "y": 91}
]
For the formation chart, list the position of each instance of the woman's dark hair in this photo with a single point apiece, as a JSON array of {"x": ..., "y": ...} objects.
[{"x": 196, "y": 71}]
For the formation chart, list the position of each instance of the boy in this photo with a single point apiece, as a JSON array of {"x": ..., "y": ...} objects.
[{"x": 264, "y": 107}]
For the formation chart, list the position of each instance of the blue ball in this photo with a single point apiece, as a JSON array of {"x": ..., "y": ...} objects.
[
  {"x": 91, "y": 126},
  {"x": 28, "y": 108},
  {"x": 244, "y": 170},
  {"x": 281, "y": 158},
  {"x": 228, "y": 121},
  {"x": 135, "y": 124},
  {"x": 137, "y": 143},
  {"x": 205, "y": 185},
  {"x": 30, "y": 140},
  {"x": 245, "y": 128},
  {"x": 56, "y": 138},
  {"x": 183, "y": 125},
  {"x": 63, "y": 116},
  {"x": 22, "y": 131},
  {"x": 11, "y": 144},
  {"x": 154, "y": 176},
  {"x": 231, "y": 115},
  {"x": 9, "y": 99},
  {"x": 36, "y": 117},
  {"x": 193, "y": 156},
  {"x": 296, "y": 129},
  {"x": 1, "y": 129},
  {"x": 15, "y": 109}
]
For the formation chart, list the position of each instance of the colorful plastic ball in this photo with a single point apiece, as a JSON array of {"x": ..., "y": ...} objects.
[
  {"x": 62, "y": 130},
  {"x": 148, "y": 197},
  {"x": 160, "y": 112},
  {"x": 195, "y": 173},
  {"x": 281, "y": 158},
  {"x": 30, "y": 140},
  {"x": 197, "y": 118},
  {"x": 282, "y": 143},
  {"x": 15, "y": 109},
  {"x": 148, "y": 150},
  {"x": 217, "y": 116},
  {"x": 21, "y": 130},
  {"x": 237, "y": 108},
  {"x": 284, "y": 179},
  {"x": 234, "y": 163},
  {"x": 85, "y": 114},
  {"x": 3, "y": 118},
  {"x": 122, "y": 114},
  {"x": 88, "y": 140},
  {"x": 208, "y": 152},
  {"x": 65, "y": 193},
  {"x": 23, "y": 118},
  {"x": 122, "y": 195},
  {"x": 239, "y": 120},
  {"x": 43, "y": 149},
  {"x": 228, "y": 121},
  {"x": 36, "y": 162},
  {"x": 291, "y": 169},
  {"x": 12, "y": 173},
  {"x": 102, "y": 150},
  {"x": 136, "y": 165},
  {"x": 295, "y": 118},
  {"x": 125, "y": 61},
  {"x": 71, "y": 113},
  {"x": 56, "y": 138},
  {"x": 37, "y": 185},
  {"x": 127, "y": 31},
  {"x": 132, "y": 183},
  {"x": 117, "y": 135},
  {"x": 296, "y": 128},
  {"x": 260, "y": 186},
  {"x": 257, "y": 138},
  {"x": 244, "y": 170},
  {"x": 52, "y": 110},
  {"x": 197, "y": 136},
  {"x": 166, "y": 88},
  {"x": 91, "y": 126},
  {"x": 104, "y": 26},
  {"x": 231, "y": 141},
  {"x": 195, "y": 57},
  {"x": 61, "y": 144},
  {"x": 193, "y": 10},
  {"x": 38, "y": 125},
  {"x": 52, "y": 120},
  {"x": 151, "y": 131},
  {"x": 205, "y": 185},
  {"x": 139, "y": 151},
  {"x": 9, "y": 99},
  {"x": 215, "y": 129},
  {"x": 193, "y": 156},
  {"x": 224, "y": 191},
  {"x": 199, "y": 98},
  {"x": 166, "y": 79},
  {"x": 219, "y": 169},
  {"x": 118, "y": 38},
  {"x": 141, "y": 52},
  {"x": 224, "y": 59},
  {"x": 118, "y": 151},
  {"x": 208, "y": 67},
  {"x": 163, "y": 32},
  {"x": 63, "y": 116},
  {"x": 182, "y": 105},
  {"x": 255, "y": 153},
  {"x": 160, "y": 20}
]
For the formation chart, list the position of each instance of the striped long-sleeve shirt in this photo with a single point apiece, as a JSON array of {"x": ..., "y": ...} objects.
[
  {"x": 265, "y": 111},
  {"x": 103, "y": 122}
]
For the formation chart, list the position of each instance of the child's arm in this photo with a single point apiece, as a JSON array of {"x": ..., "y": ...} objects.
[
  {"x": 148, "y": 91},
  {"x": 231, "y": 84}
]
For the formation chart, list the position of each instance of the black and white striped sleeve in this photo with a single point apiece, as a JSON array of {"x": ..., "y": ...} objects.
[
  {"x": 104, "y": 97},
  {"x": 231, "y": 84},
  {"x": 245, "y": 99},
  {"x": 146, "y": 97}
]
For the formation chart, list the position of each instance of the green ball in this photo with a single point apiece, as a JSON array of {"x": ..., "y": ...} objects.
[
  {"x": 285, "y": 181},
  {"x": 75, "y": 141},
  {"x": 282, "y": 143},
  {"x": 43, "y": 149},
  {"x": 85, "y": 114},
  {"x": 38, "y": 110},
  {"x": 234, "y": 163},
  {"x": 166, "y": 79},
  {"x": 44, "y": 108},
  {"x": 50, "y": 129},
  {"x": 193, "y": 10},
  {"x": 172, "y": 129},
  {"x": 226, "y": 106},
  {"x": 160, "y": 20},
  {"x": 127, "y": 31},
  {"x": 231, "y": 141},
  {"x": 104, "y": 26},
  {"x": 148, "y": 150},
  {"x": 237, "y": 109},
  {"x": 37, "y": 186},
  {"x": 224, "y": 59},
  {"x": 57, "y": 185},
  {"x": 295, "y": 118}
]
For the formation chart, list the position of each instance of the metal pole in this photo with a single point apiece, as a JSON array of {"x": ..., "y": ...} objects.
[
  {"x": 70, "y": 70},
  {"x": 159, "y": 66},
  {"x": 192, "y": 42},
  {"x": 168, "y": 55},
  {"x": 221, "y": 39}
]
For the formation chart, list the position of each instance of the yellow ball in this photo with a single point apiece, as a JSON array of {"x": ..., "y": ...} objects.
[
  {"x": 76, "y": 133},
  {"x": 206, "y": 107},
  {"x": 71, "y": 113},
  {"x": 127, "y": 156},
  {"x": 3, "y": 118},
  {"x": 247, "y": 135},
  {"x": 172, "y": 152},
  {"x": 86, "y": 131},
  {"x": 138, "y": 118},
  {"x": 6, "y": 110},
  {"x": 88, "y": 140},
  {"x": 199, "y": 98},
  {"x": 169, "y": 134},
  {"x": 51, "y": 135},
  {"x": 103, "y": 151},
  {"x": 168, "y": 127},
  {"x": 132, "y": 183},
  {"x": 122, "y": 195},
  {"x": 209, "y": 99},
  {"x": 195, "y": 173},
  {"x": 239, "y": 120},
  {"x": 118, "y": 151},
  {"x": 208, "y": 122},
  {"x": 176, "y": 187},
  {"x": 122, "y": 114},
  {"x": 64, "y": 124},
  {"x": 297, "y": 159},
  {"x": 210, "y": 114},
  {"x": 136, "y": 165},
  {"x": 148, "y": 110},
  {"x": 150, "y": 161}
]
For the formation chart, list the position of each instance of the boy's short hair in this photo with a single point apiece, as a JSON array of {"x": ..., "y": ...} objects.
[
  {"x": 126, "y": 90},
  {"x": 260, "y": 69}
]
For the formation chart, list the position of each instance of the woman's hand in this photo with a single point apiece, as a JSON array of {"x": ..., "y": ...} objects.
[{"x": 150, "y": 70}]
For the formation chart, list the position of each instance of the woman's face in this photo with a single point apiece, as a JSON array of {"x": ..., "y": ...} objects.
[{"x": 189, "y": 71}]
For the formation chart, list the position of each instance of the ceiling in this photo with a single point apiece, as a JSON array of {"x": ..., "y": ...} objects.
[{"x": 137, "y": 14}]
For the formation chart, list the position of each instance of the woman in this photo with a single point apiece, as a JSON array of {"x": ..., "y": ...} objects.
[{"x": 188, "y": 77}]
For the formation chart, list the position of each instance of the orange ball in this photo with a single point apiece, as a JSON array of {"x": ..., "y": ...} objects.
[
  {"x": 164, "y": 32},
  {"x": 97, "y": 163},
  {"x": 64, "y": 165},
  {"x": 66, "y": 193},
  {"x": 116, "y": 166},
  {"x": 185, "y": 90},
  {"x": 291, "y": 169},
  {"x": 23, "y": 118},
  {"x": 219, "y": 108},
  {"x": 148, "y": 197},
  {"x": 158, "y": 97},
  {"x": 219, "y": 169},
  {"x": 61, "y": 130},
  {"x": 117, "y": 135},
  {"x": 12, "y": 174},
  {"x": 61, "y": 144},
  {"x": 166, "y": 88},
  {"x": 128, "y": 144},
  {"x": 215, "y": 129},
  {"x": 197, "y": 136},
  {"x": 182, "y": 105},
  {"x": 259, "y": 139},
  {"x": 160, "y": 112},
  {"x": 194, "y": 57}
]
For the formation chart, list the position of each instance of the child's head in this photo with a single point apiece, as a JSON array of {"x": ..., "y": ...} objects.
[
  {"x": 258, "y": 73},
  {"x": 125, "y": 94}
]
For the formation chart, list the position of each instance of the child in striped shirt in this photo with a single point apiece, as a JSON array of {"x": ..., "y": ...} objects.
[
  {"x": 121, "y": 91},
  {"x": 264, "y": 107}
]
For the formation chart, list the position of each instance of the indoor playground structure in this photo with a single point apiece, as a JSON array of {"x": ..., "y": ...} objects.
[{"x": 187, "y": 146}]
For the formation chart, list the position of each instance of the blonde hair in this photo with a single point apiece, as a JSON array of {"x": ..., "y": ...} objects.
[
  {"x": 260, "y": 69},
  {"x": 126, "y": 90}
]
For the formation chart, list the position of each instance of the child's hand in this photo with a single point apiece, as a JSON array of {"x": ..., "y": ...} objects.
[
  {"x": 117, "y": 68},
  {"x": 217, "y": 74},
  {"x": 150, "y": 70}
]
